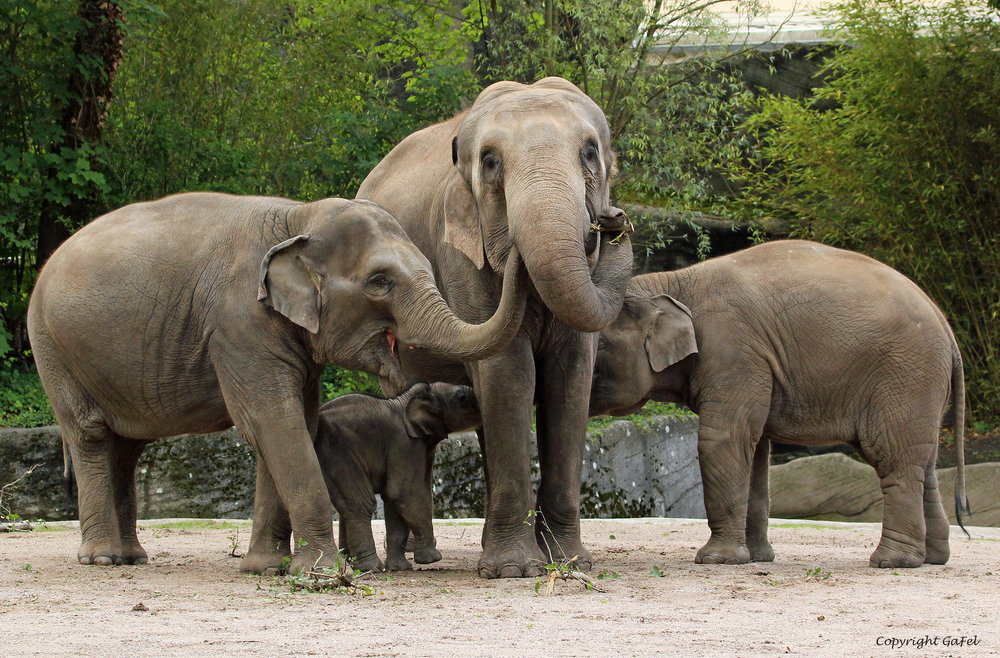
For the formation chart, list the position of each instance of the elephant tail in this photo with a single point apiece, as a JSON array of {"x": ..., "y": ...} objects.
[{"x": 958, "y": 409}]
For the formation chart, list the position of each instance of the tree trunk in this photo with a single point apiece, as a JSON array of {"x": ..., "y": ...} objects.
[{"x": 97, "y": 51}]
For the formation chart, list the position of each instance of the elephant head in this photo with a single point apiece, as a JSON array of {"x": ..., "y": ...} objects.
[
  {"x": 533, "y": 167},
  {"x": 636, "y": 352},
  {"x": 439, "y": 409},
  {"x": 356, "y": 284}
]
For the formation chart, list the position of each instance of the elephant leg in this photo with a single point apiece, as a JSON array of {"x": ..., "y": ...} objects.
[
  {"x": 270, "y": 536},
  {"x": 505, "y": 388},
  {"x": 414, "y": 512},
  {"x": 561, "y": 420},
  {"x": 486, "y": 483},
  {"x": 360, "y": 542},
  {"x": 902, "y": 474},
  {"x": 396, "y": 534},
  {"x": 728, "y": 435},
  {"x": 758, "y": 505},
  {"x": 92, "y": 456},
  {"x": 936, "y": 542},
  {"x": 291, "y": 478},
  {"x": 125, "y": 454}
]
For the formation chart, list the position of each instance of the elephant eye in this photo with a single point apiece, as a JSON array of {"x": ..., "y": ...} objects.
[
  {"x": 490, "y": 163},
  {"x": 590, "y": 153},
  {"x": 602, "y": 343},
  {"x": 378, "y": 284}
]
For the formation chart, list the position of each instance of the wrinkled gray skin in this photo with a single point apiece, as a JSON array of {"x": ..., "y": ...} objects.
[
  {"x": 367, "y": 446},
  {"x": 200, "y": 311},
  {"x": 528, "y": 167},
  {"x": 800, "y": 343}
]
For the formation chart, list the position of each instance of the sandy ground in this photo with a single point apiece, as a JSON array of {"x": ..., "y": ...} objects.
[{"x": 819, "y": 598}]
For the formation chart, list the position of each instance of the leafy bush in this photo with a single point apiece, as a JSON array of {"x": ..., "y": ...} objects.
[
  {"x": 23, "y": 402},
  {"x": 906, "y": 168},
  {"x": 339, "y": 381}
]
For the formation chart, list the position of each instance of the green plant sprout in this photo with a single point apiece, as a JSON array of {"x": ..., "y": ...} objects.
[{"x": 817, "y": 574}]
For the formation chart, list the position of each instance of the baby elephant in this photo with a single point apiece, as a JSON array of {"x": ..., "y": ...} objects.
[
  {"x": 367, "y": 445},
  {"x": 800, "y": 343}
]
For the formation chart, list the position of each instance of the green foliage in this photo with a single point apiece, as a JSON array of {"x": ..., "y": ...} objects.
[
  {"x": 37, "y": 172},
  {"x": 297, "y": 99},
  {"x": 339, "y": 381},
  {"x": 649, "y": 410},
  {"x": 23, "y": 402},
  {"x": 906, "y": 168},
  {"x": 818, "y": 574}
]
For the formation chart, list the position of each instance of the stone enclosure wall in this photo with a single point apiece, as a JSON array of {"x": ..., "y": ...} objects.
[
  {"x": 650, "y": 470},
  {"x": 629, "y": 470}
]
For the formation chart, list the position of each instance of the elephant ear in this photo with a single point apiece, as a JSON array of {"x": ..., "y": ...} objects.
[
  {"x": 424, "y": 418},
  {"x": 671, "y": 337},
  {"x": 289, "y": 285},
  {"x": 461, "y": 220}
]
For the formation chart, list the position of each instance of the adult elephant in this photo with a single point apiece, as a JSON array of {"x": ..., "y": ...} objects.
[
  {"x": 800, "y": 343},
  {"x": 526, "y": 167},
  {"x": 200, "y": 311}
]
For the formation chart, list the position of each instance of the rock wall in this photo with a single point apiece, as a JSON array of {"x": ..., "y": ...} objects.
[
  {"x": 834, "y": 487},
  {"x": 647, "y": 470},
  {"x": 629, "y": 470}
]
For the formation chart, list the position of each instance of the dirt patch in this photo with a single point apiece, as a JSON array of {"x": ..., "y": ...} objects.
[{"x": 819, "y": 598}]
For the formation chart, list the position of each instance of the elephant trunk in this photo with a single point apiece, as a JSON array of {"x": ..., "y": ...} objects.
[
  {"x": 550, "y": 224},
  {"x": 429, "y": 323}
]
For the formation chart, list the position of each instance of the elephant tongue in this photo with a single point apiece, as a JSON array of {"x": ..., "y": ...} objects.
[{"x": 392, "y": 342}]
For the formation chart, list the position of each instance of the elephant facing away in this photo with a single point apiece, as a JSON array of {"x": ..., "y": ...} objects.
[
  {"x": 367, "y": 446},
  {"x": 526, "y": 168},
  {"x": 200, "y": 311},
  {"x": 801, "y": 343}
]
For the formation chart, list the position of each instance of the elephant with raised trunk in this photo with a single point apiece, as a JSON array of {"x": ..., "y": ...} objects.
[
  {"x": 800, "y": 343},
  {"x": 526, "y": 167},
  {"x": 201, "y": 311}
]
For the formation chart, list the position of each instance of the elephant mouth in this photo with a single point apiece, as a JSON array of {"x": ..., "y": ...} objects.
[{"x": 390, "y": 337}]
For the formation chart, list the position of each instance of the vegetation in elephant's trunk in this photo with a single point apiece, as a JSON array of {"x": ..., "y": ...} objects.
[{"x": 551, "y": 239}]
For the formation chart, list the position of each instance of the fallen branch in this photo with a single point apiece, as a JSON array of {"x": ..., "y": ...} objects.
[
  {"x": 564, "y": 571},
  {"x": 12, "y": 524}
]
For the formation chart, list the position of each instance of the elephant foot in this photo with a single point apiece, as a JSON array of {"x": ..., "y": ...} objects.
[
  {"x": 760, "y": 550},
  {"x": 315, "y": 560},
  {"x": 369, "y": 563},
  {"x": 411, "y": 543},
  {"x": 520, "y": 562},
  {"x": 397, "y": 563},
  {"x": 104, "y": 555},
  {"x": 564, "y": 550},
  {"x": 426, "y": 555},
  {"x": 267, "y": 564},
  {"x": 937, "y": 551},
  {"x": 886, "y": 557},
  {"x": 718, "y": 552}
]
